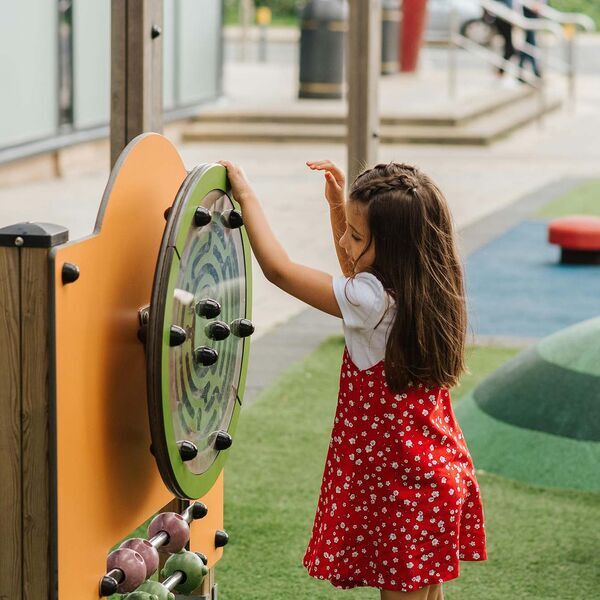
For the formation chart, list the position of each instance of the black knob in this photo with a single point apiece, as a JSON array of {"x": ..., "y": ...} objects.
[
  {"x": 202, "y": 557},
  {"x": 221, "y": 538},
  {"x": 202, "y": 216},
  {"x": 242, "y": 328},
  {"x": 177, "y": 336},
  {"x": 206, "y": 356},
  {"x": 217, "y": 330},
  {"x": 199, "y": 510},
  {"x": 108, "y": 586},
  {"x": 142, "y": 333},
  {"x": 232, "y": 219},
  {"x": 208, "y": 308},
  {"x": 187, "y": 450},
  {"x": 223, "y": 440},
  {"x": 70, "y": 273},
  {"x": 156, "y": 31},
  {"x": 167, "y": 212}
]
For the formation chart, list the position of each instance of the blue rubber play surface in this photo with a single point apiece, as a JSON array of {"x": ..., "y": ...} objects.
[{"x": 516, "y": 286}]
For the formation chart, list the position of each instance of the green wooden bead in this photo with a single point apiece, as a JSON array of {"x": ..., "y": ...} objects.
[
  {"x": 190, "y": 564},
  {"x": 157, "y": 589},
  {"x": 137, "y": 595}
]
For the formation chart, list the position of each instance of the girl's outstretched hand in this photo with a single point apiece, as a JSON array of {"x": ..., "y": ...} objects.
[
  {"x": 335, "y": 180},
  {"x": 240, "y": 186}
]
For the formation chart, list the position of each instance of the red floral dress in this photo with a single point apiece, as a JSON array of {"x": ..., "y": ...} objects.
[{"x": 399, "y": 503}]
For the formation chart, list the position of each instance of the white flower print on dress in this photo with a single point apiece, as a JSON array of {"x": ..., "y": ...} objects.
[{"x": 355, "y": 495}]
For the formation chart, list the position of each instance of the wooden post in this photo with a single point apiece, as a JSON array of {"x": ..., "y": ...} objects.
[
  {"x": 11, "y": 496},
  {"x": 26, "y": 451},
  {"x": 363, "y": 67},
  {"x": 136, "y": 71}
]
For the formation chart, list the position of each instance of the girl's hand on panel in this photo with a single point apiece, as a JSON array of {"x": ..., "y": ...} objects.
[
  {"x": 335, "y": 180},
  {"x": 240, "y": 186}
]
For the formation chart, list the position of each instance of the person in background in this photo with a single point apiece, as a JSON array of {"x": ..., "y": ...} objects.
[
  {"x": 524, "y": 56},
  {"x": 505, "y": 30}
]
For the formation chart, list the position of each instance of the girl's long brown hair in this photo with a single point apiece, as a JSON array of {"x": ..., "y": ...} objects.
[{"x": 417, "y": 262}]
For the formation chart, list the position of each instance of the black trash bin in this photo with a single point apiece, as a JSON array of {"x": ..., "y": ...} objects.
[
  {"x": 390, "y": 33},
  {"x": 322, "y": 40}
]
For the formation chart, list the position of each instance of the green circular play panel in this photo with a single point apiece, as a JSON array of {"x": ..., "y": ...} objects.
[
  {"x": 537, "y": 418},
  {"x": 197, "y": 342}
]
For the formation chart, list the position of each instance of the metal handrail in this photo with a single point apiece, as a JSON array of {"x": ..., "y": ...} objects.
[
  {"x": 561, "y": 25},
  {"x": 514, "y": 18}
]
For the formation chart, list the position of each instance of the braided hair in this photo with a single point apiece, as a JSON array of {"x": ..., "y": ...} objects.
[{"x": 417, "y": 262}]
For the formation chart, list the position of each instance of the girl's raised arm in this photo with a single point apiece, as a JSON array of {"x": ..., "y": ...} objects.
[
  {"x": 335, "y": 183},
  {"x": 309, "y": 285}
]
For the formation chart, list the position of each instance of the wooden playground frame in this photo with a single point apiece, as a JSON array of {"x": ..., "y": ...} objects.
[{"x": 28, "y": 414}]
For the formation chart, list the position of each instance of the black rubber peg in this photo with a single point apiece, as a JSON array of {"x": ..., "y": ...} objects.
[
  {"x": 167, "y": 212},
  {"x": 223, "y": 440},
  {"x": 187, "y": 450},
  {"x": 242, "y": 328},
  {"x": 202, "y": 557},
  {"x": 202, "y": 216},
  {"x": 142, "y": 333},
  {"x": 208, "y": 308},
  {"x": 177, "y": 336},
  {"x": 232, "y": 219},
  {"x": 221, "y": 538},
  {"x": 205, "y": 356},
  {"x": 108, "y": 586},
  {"x": 155, "y": 32},
  {"x": 70, "y": 273},
  {"x": 217, "y": 330},
  {"x": 199, "y": 511}
]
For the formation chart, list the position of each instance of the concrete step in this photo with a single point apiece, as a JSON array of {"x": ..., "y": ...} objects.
[
  {"x": 319, "y": 113},
  {"x": 481, "y": 131}
]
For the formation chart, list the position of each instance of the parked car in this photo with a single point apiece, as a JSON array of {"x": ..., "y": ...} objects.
[{"x": 470, "y": 18}]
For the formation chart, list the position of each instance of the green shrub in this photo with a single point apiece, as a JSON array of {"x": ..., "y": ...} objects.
[
  {"x": 284, "y": 11},
  {"x": 587, "y": 7}
]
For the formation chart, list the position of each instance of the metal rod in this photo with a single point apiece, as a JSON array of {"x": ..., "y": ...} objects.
[
  {"x": 160, "y": 539},
  {"x": 174, "y": 580},
  {"x": 262, "y": 43},
  {"x": 116, "y": 574}
]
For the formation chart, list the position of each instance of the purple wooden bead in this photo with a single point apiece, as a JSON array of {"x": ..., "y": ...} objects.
[
  {"x": 175, "y": 526},
  {"x": 133, "y": 566},
  {"x": 147, "y": 550}
]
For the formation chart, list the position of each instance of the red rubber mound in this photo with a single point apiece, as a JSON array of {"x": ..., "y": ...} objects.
[{"x": 575, "y": 233}]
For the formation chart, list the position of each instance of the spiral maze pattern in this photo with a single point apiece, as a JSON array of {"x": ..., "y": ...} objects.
[{"x": 202, "y": 398}]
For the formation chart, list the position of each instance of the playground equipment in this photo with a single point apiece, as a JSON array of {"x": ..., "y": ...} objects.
[
  {"x": 123, "y": 369},
  {"x": 578, "y": 238},
  {"x": 537, "y": 418}
]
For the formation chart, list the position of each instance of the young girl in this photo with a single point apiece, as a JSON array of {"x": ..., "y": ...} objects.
[{"x": 399, "y": 504}]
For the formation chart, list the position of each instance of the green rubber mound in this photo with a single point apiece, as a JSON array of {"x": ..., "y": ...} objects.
[
  {"x": 537, "y": 418},
  {"x": 576, "y": 348},
  {"x": 583, "y": 200},
  {"x": 534, "y": 457},
  {"x": 552, "y": 388}
]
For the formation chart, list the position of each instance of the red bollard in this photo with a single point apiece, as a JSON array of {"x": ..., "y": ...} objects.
[{"x": 414, "y": 15}]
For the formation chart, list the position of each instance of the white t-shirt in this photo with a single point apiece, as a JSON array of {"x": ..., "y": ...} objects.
[{"x": 364, "y": 303}]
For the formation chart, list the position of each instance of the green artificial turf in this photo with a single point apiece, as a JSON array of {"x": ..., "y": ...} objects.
[
  {"x": 542, "y": 543},
  {"x": 583, "y": 200},
  {"x": 481, "y": 361}
]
